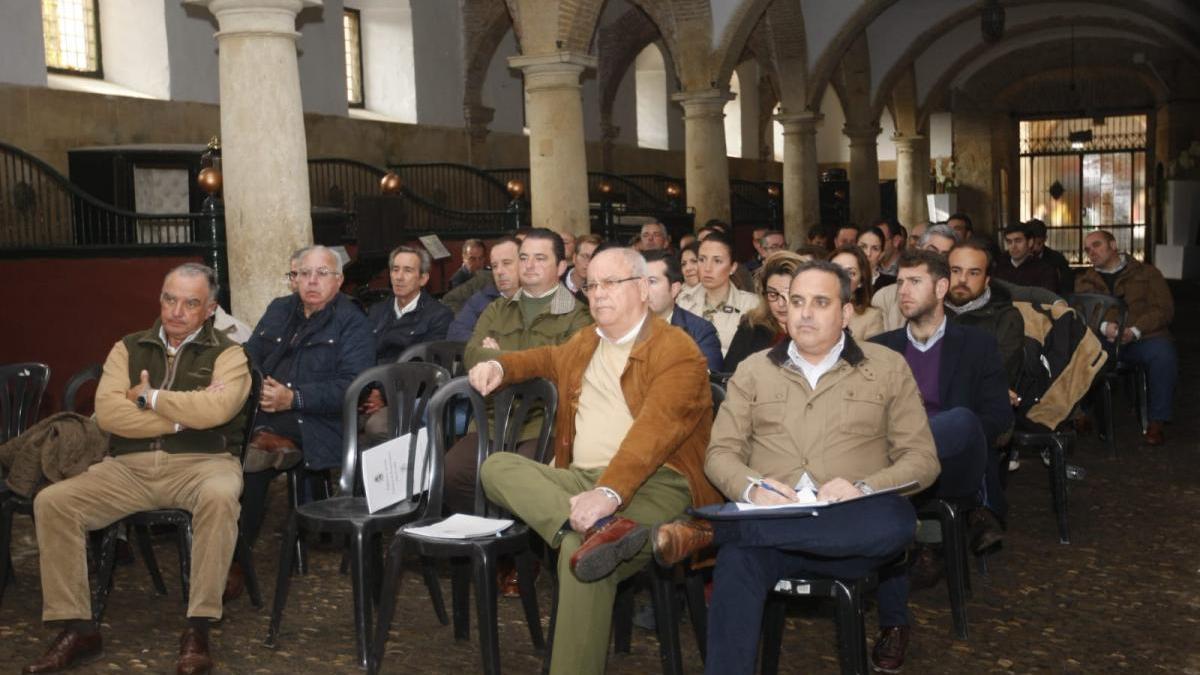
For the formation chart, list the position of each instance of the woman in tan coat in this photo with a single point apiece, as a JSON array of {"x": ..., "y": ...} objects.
[{"x": 867, "y": 321}]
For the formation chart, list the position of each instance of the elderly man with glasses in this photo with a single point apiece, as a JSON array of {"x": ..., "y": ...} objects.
[{"x": 630, "y": 433}]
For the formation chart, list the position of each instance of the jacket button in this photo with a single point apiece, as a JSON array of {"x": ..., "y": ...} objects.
[{"x": 808, "y": 406}]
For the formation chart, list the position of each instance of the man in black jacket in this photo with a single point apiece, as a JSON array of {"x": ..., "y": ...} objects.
[{"x": 974, "y": 301}]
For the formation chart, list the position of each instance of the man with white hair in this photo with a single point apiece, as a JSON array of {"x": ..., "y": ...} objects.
[
  {"x": 654, "y": 236},
  {"x": 629, "y": 449}
]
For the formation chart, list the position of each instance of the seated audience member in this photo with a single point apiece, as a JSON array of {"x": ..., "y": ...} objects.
[
  {"x": 766, "y": 325},
  {"x": 846, "y": 235},
  {"x": 628, "y": 450},
  {"x": 171, "y": 397},
  {"x": 914, "y": 235},
  {"x": 965, "y": 228},
  {"x": 940, "y": 238},
  {"x": 505, "y": 282},
  {"x": 665, "y": 280},
  {"x": 687, "y": 240},
  {"x": 849, "y": 415},
  {"x": 654, "y": 236},
  {"x": 1146, "y": 339},
  {"x": 473, "y": 255},
  {"x": 807, "y": 253},
  {"x": 412, "y": 317},
  {"x": 963, "y": 386},
  {"x": 893, "y": 245},
  {"x": 715, "y": 298},
  {"x": 1019, "y": 266},
  {"x": 1057, "y": 261},
  {"x": 541, "y": 313},
  {"x": 866, "y": 322},
  {"x": 974, "y": 301},
  {"x": 871, "y": 243},
  {"x": 568, "y": 239},
  {"x": 689, "y": 265},
  {"x": 818, "y": 236},
  {"x": 309, "y": 347},
  {"x": 756, "y": 260},
  {"x": 576, "y": 275},
  {"x": 772, "y": 241}
]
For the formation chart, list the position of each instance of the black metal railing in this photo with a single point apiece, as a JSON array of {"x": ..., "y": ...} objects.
[
  {"x": 751, "y": 202},
  {"x": 335, "y": 182},
  {"x": 41, "y": 208},
  {"x": 454, "y": 186}
]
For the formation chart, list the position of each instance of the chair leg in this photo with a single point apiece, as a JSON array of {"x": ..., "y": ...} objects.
[
  {"x": 529, "y": 602},
  {"x": 393, "y": 568},
  {"x": 108, "y": 555},
  {"x": 697, "y": 609},
  {"x": 429, "y": 572},
  {"x": 183, "y": 538},
  {"x": 666, "y": 619},
  {"x": 1109, "y": 427},
  {"x": 361, "y": 582},
  {"x": 293, "y": 478},
  {"x": 6, "y": 520},
  {"x": 852, "y": 638},
  {"x": 1058, "y": 486},
  {"x": 551, "y": 567},
  {"x": 774, "y": 613},
  {"x": 956, "y": 571},
  {"x": 485, "y": 606},
  {"x": 460, "y": 597},
  {"x": 245, "y": 557},
  {"x": 1142, "y": 387},
  {"x": 375, "y": 549},
  {"x": 622, "y": 616},
  {"x": 283, "y": 577},
  {"x": 146, "y": 549}
]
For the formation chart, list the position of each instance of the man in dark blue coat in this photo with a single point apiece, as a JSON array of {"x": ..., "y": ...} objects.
[
  {"x": 309, "y": 347},
  {"x": 413, "y": 316},
  {"x": 963, "y": 386},
  {"x": 666, "y": 280}
]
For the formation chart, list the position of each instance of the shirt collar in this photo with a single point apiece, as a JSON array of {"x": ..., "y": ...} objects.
[
  {"x": 537, "y": 297},
  {"x": 1121, "y": 263},
  {"x": 172, "y": 351},
  {"x": 401, "y": 311},
  {"x": 933, "y": 339},
  {"x": 628, "y": 337},
  {"x": 813, "y": 372}
]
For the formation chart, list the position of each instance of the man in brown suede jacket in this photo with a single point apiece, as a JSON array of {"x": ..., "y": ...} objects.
[{"x": 632, "y": 426}]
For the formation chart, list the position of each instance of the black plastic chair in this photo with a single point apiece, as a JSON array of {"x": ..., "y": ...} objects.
[
  {"x": 1057, "y": 444},
  {"x": 512, "y": 406},
  {"x": 952, "y": 518},
  {"x": 181, "y": 520},
  {"x": 21, "y": 388},
  {"x": 445, "y": 353},
  {"x": 71, "y": 392},
  {"x": 409, "y": 386},
  {"x": 848, "y": 616},
  {"x": 1096, "y": 308}
]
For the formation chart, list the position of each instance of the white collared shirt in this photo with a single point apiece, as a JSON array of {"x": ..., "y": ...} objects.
[
  {"x": 172, "y": 351},
  {"x": 933, "y": 339},
  {"x": 401, "y": 311},
  {"x": 813, "y": 372},
  {"x": 626, "y": 337}
]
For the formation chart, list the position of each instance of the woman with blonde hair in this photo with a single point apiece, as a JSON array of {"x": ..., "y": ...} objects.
[
  {"x": 766, "y": 325},
  {"x": 867, "y": 321}
]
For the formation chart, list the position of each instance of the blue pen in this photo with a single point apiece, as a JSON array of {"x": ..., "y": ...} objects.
[{"x": 760, "y": 483}]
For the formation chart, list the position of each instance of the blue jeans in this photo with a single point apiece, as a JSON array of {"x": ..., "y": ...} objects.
[
  {"x": 1158, "y": 356},
  {"x": 846, "y": 541}
]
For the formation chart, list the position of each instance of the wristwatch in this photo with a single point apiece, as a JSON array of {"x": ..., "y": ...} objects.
[
  {"x": 863, "y": 487},
  {"x": 142, "y": 401}
]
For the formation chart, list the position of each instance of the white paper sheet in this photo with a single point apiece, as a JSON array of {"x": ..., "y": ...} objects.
[
  {"x": 462, "y": 526},
  {"x": 385, "y": 470}
]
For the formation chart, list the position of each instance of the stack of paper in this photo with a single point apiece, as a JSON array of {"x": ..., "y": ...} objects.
[{"x": 462, "y": 526}]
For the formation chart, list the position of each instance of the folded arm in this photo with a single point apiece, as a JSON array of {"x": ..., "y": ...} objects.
[
  {"x": 115, "y": 413},
  {"x": 208, "y": 408}
]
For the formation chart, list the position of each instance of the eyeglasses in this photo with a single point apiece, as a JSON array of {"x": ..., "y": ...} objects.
[
  {"x": 321, "y": 272},
  {"x": 774, "y": 296},
  {"x": 607, "y": 284}
]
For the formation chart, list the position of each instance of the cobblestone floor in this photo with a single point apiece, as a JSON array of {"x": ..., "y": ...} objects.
[{"x": 1124, "y": 596}]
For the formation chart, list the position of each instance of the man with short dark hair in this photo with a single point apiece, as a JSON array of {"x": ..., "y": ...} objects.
[
  {"x": 938, "y": 238},
  {"x": 846, "y": 415},
  {"x": 665, "y": 280},
  {"x": 171, "y": 397},
  {"x": 818, "y": 235},
  {"x": 847, "y": 235},
  {"x": 1019, "y": 266},
  {"x": 1146, "y": 338},
  {"x": 766, "y": 242},
  {"x": 973, "y": 301},
  {"x": 473, "y": 255},
  {"x": 1056, "y": 260},
  {"x": 893, "y": 244},
  {"x": 504, "y": 280}
]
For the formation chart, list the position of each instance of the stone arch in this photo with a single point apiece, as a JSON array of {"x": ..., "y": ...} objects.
[
  {"x": 618, "y": 45},
  {"x": 577, "y": 21},
  {"x": 485, "y": 24},
  {"x": 686, "y": 29},
  {"x": 650, "y": 82}
]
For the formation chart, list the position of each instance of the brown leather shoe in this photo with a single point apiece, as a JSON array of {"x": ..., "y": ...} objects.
[
  {"x": 269, "y": 450},
  {"x": 606, "y": 544},
  {"x": 235, "y": 583},
  {"x": 678, "y": 540},
  {"x": 926, "y": 569},
  {"x": 985, "y": 531},
  {"x": 888, "y": 653},
  {"x": 193, "y": 653},
  {"x": 69, "y": 649},
  {"x": 1154, "y": 434}
]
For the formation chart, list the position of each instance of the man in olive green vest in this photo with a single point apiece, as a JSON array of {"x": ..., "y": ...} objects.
[{"x": 172, "y": 399}]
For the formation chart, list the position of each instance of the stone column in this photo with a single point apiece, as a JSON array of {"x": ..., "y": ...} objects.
[
  {"x": 264, "y": 160},
  {"x": 801, "y": 191},
  {"x": 558, "y": 187},
  {"x": 707, "y": 166},
  {"x": 864, "y": 174},
  {"x": 912, "y": 179},
  {"x": 477, "y": 117}
]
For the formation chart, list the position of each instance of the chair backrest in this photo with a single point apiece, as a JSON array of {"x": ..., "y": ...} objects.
[
  {"x": 445, "y": 353},
  {"x": 511, "y": 408},
  {"x": 1096, "y": 308},
  {"x": 718, "y": 396},
  {"x": 408, "y": 388},
  {"x": 21, "y": 389},
  {"x": 71, "y": 393}
]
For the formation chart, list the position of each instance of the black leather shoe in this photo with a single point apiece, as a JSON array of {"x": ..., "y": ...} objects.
[
  {"x": 888, "y": 653},
  {"x": 193, "y": 653},
  {"x": 69, "y": 649}
]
